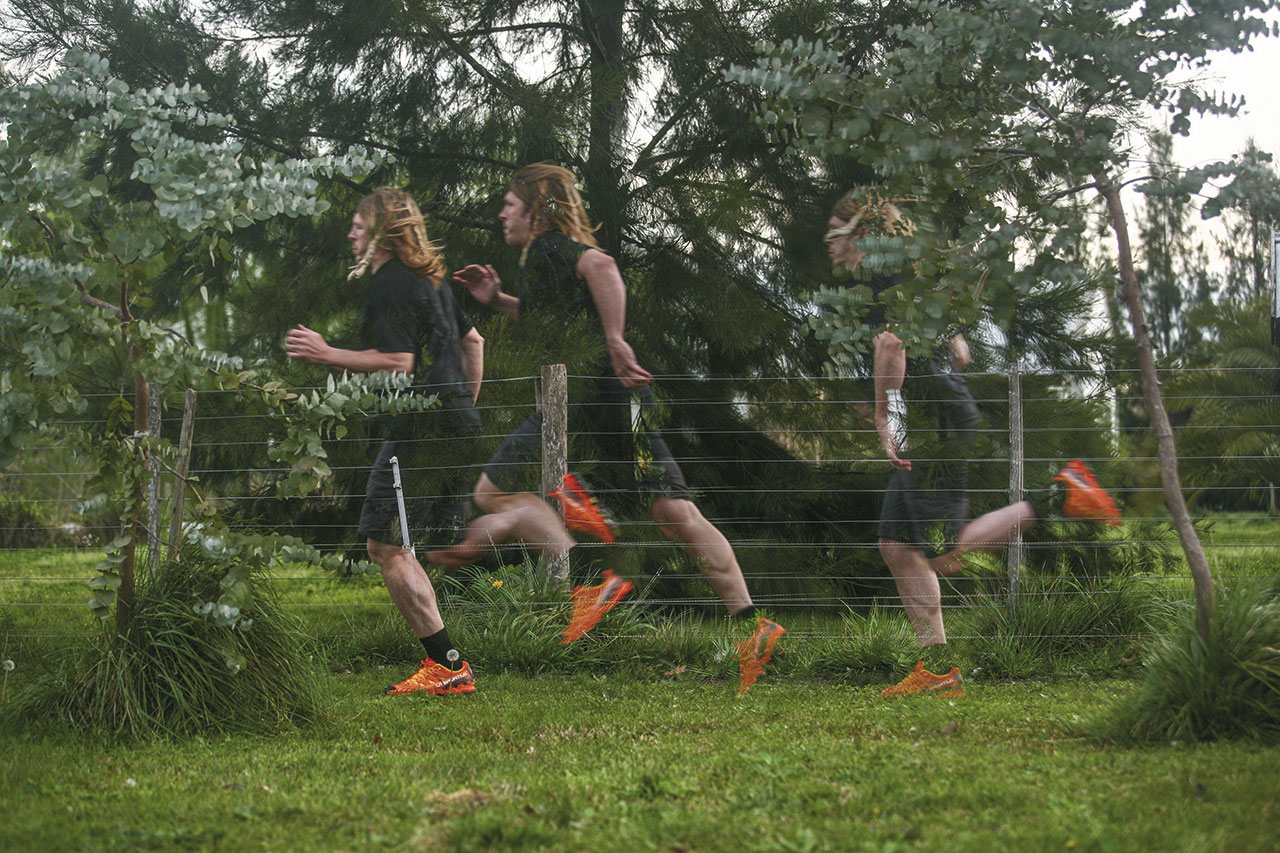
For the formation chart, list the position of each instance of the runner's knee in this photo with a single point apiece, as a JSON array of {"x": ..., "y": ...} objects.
[
  {"x": 488, "y": 497},
  {"x": 675, "y": 512},
  {"x": 891, "y": 550},
  {"x": 380, "y": 552}
]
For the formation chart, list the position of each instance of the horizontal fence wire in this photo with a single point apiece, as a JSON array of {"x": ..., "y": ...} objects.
[{"x": 814, "y": 419}]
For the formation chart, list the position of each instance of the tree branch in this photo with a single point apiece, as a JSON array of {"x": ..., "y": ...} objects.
[{"x": 85, "y": 296}]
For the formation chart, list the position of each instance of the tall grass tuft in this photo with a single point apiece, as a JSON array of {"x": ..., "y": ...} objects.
[
  {"x": 176, "y": 672},
  {"x": 513, "y": 619},
  {"x": 1223, "y": 687},
  {"x": 867, "y": 647},
  {"x": 1061, "y": 624},
  {"x": 1092, "y": 553}
]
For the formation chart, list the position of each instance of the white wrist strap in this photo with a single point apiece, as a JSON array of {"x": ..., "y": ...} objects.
[{"x": 897, "y": 418}]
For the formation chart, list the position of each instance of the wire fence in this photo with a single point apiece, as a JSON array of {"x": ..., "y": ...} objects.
[{"x": 802, "y": 521}]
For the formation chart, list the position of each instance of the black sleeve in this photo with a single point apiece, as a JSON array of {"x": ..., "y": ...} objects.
[
  {"x": 460, "y": 317},
  {"x": 390, "y": 314}
]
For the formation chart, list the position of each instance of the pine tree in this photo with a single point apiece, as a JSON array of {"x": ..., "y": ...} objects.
[{"x": 1174, "y": 265}]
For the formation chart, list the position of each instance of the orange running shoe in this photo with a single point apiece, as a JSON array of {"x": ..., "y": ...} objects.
[
  {"x": 755, "y": 651},
  {"x": 437, "y": 679},
  {"x": 922, "y": 680},
  {"x": 1086, "y": 499},
  {"x": 592, "y": 602},
  {"x": 581, "y": 511}
]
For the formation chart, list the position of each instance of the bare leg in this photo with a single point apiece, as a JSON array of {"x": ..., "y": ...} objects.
[
  {"x": 989, "y": 532},
  {"x": 409, "y": 587},
  {"x": 918, "y": 588},
  {"x": 682, "y": 520},
  {"x": 519, "y": 516}
]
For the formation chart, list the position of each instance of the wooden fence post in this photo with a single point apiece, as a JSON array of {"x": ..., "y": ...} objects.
[
  {"x": 555, "y": 442},
  {"x": 1017, "y": 491},
  {"x": 153, "y": 488},
  {"x": 184, "y": 465}
]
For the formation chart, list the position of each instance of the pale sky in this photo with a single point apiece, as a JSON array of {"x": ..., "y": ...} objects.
[
  {"x": 1254, "y": 75},
  {"x": 1212, "y": 139}
]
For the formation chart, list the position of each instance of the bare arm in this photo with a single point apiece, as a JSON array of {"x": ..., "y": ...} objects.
[
  {"x": 485, "y": 287},
  {"x": 960, "y": 356},
  {"x": 473, "y": 361},
  {"x": 610, "y": 297},
  {"x": 310, "y": 346},
  {"x": 890, "y": 365}
]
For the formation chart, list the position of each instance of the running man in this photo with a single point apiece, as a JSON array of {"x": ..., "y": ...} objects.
[
  {"x": 924, "y": 530},
  {"x": 570, "y": 301},
  {"x": 412, "y": 325}
]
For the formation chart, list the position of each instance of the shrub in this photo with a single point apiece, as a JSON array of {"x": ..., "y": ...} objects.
[
  {"x": 870, "y": 646},
  {"x": 24, "y": 524},
  {"x": 1225, "y": 686},
  {"x": 1092, "y": 553},
  {"x": 1060, "y": 623},
  {"x": 176, "y": 671}
]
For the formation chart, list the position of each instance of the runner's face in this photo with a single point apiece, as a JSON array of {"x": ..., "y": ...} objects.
[
  {"x": 516, "y": 217},
  {"x": 359, "y": 236},
  {"x": 841, "y": 249}
]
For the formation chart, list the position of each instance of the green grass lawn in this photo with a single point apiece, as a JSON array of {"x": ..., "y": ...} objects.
[
  {"x": 614, "y": 763},
  {"x": 597, "y": 749}
]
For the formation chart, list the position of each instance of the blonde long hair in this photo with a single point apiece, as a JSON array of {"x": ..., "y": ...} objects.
[
  {"x": 396, "y": 224},
  {"x": 551, "y": 192},
  {"x": 865, "y": 206}
]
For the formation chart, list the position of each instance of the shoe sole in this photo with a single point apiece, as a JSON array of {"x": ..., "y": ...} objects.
[
  {"x": 576, "y": 500},
  {"x": 449, "y": 691},
  {"x": 572, "y": 632},
  {"x": 753, "y": 658},
  {"x": 945, "y": 687},
  {"x": 1101, "y": 507},
  {"x": 467, "y": 685}
]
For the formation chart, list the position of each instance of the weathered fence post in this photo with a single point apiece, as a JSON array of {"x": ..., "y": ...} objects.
[
  {"x": 1017, "y": 491},
  {"x": 153, "y": 488},
  {"x": 184, "y": 464},
  {"x": 554, "y": 403}
]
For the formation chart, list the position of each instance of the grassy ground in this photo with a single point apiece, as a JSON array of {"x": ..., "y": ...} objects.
[
  {"x": 609, "y": 763},
  {"x": 636, "y": 741}
]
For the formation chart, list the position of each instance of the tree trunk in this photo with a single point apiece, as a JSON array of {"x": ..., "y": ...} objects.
[
  {"x": 602, "y": 22},
  {"x": 1167, "y": 453}
]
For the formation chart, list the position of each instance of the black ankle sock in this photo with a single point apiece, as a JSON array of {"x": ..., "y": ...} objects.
[
  {"x": 748, "y": 612},
  {"x": 440, "y": 649}
]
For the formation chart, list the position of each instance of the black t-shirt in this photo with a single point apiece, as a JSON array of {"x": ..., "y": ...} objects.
[
  {"x": 406, "y": 314},
  {"x": 558, "y": 318},
  {"x": 938, "y": 399},
  {"x": 878, "y": 283},
  {"x": 874, "y": 321}
]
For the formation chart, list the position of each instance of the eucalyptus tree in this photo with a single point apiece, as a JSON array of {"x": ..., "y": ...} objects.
[
  {"x": 89, "y": 237},
  {"x": 1250, "y": 208},
  {"x": 1009, "y": 111}
]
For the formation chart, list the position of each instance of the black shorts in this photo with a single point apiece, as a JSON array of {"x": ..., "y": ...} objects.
[
  {"x": 928, "y": 506},
  {"x": 928, "y": 516},
  {"x": 438, "y": 452},
  {"x": 615, "y": 444}
]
